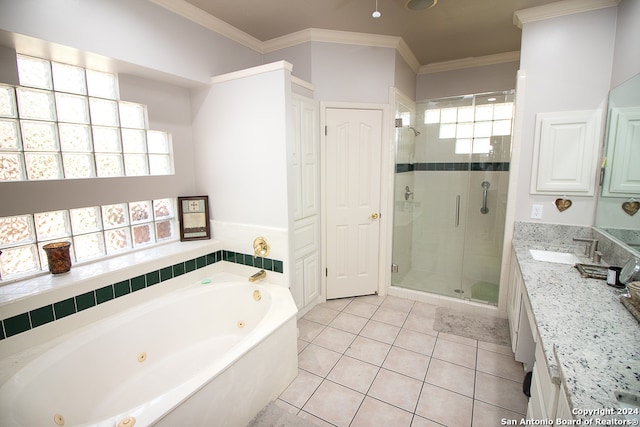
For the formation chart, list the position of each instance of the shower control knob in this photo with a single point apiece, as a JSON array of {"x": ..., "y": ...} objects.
[{"x": 374, "y": 215}]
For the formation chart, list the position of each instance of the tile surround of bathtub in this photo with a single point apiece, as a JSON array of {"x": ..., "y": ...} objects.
[{"x": 24, "y": 322}]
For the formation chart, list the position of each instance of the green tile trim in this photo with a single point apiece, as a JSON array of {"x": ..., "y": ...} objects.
[
  {"x": 166, "y": 273},
  {"x": 41, "y": 315},
  {"x": 64, "y": 308},
  {"x": 50, "y": 313},
  {"x": 121, "y": 288},
  {"x": 17, "y": 324},
  {"x": 153, "y": 278},
  {"x": 190, "y": 265},
  {"x": 138, "y": 283},
  {"x": 85, "y": 301},
  {"x": 104, "y": 294}
]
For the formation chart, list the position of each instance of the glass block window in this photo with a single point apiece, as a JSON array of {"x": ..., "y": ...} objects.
[
  {"x": 64, "y": 121},
  {"x": 94, "y": 232},
  {"x": 472, "y": 127}
]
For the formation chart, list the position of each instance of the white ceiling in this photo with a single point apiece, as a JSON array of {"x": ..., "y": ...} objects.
[{"x": 450, "y": 30}]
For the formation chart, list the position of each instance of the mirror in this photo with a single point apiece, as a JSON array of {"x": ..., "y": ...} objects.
[{"x": 618, "y": 211}]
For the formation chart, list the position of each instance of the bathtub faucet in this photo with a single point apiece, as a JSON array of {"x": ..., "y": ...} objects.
[{"x": 258, "y": 276}]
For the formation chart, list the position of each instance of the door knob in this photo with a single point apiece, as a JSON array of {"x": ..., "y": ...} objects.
[{"x": 374, "y": 215}]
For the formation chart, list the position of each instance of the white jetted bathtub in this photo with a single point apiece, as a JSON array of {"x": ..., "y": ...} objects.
[{"x": 209, "y": 355}]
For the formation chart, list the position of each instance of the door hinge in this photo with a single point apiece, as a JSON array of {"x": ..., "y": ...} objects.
[
  {"x": 399, "y": 122},
  {"x": 325, "y": 131},
  {"x": 394, "y": 268},
  {"x": 326, "y": 272}
]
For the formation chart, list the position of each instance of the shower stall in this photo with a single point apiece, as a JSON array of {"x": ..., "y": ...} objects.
[{"x": 451, "y": 180}]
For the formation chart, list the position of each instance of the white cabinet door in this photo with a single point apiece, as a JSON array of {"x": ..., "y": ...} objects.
[
  {"x": 565, "y": 153},
  {"x": 297, "y": 287},
  {"x": 564, "y": 411},
  {"x": 306, "y": 288},
  {"x": 622, "y": 176},
  {"x": 305, "y": 157},
  {"x": 514, "y": 298},
  {"x": 311, "y": 278},
  {"x": 310, "y": 157},
  {"x": 295, "y": 158}
]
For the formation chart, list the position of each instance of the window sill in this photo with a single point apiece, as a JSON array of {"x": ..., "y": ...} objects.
[{"x": 28, "y": 294}]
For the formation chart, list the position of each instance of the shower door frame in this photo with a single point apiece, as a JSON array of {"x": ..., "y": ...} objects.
[{"x": 466, "y": 209}]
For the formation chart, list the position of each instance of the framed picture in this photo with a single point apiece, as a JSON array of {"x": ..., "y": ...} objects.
[{"x": 194, "y": 218}]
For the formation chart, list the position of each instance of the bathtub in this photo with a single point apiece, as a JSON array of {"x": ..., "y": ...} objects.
[{"x": 209, "y": 354}]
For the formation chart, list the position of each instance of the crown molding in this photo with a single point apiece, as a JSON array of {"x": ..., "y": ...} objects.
[
  {"x": 197, "y": 15},
  {"x": 253, "y": 71},
  {"x": 210, "y": 22},
  {"x": 343, "y": 37},
  {"x": 479, "y": 61},
  {"x": 302, "y": 83},
  {"x": 561, "y": 8}
]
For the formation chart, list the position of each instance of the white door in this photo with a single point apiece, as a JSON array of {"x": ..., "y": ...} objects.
[{"x": 352, "y": 176}]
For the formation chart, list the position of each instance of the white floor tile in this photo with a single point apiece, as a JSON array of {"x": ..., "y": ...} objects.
[
  {"x": 317, "y": 360},
  {"x": 353, "y": 373},
  {"x": 375, "y": 361},
  {"x": 374, "y": 413},
  {"x": 407, "y": 362},
  {"x": 396, "y": 389},
  {"x": 334, "y": 403}
]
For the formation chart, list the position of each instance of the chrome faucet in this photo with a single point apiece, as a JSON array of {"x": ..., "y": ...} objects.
[
  {"x": 258, "y": 276},
  {"x": 590, "y": 249}
]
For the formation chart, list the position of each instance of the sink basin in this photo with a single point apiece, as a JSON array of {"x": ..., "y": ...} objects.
[
  {"x": 555, "y": 257},
  {"x": 629, "y": 406}
]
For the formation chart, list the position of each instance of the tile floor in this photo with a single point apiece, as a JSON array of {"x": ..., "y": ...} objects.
[{"x": 376, "y": 361}]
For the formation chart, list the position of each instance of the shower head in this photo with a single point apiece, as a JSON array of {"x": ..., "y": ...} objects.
[{"x": 415, "y": 132}]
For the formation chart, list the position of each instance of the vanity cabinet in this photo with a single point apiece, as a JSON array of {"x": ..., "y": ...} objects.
[
  {"x": 548, "y": 397},
  {"x": 564, "y": 410},
  {"x": 544, "y": 393},
  {"x": 520, "y": 318},
  {"x": 514, "y": 297},
  {"x": 306, "y": 286}
]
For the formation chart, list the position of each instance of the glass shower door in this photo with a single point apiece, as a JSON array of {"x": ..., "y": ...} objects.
[{"x": 448, "y": 234}]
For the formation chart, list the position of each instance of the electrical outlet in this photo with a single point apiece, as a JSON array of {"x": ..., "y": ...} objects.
[{"x": 536, "y": 212}]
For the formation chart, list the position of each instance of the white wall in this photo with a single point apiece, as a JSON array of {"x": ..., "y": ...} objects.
[
  {"x": 626, "y": 58},
  {"x": 567, "y": 63},
  {"x": 128, "y": 32},
  {"x": 350, "y": 73},
  {"x": 487, "y": 78},
  {"x": 240, "y": 130},
  {"x": 298, "y": 55},
  {"x": 405, "y": 77}
]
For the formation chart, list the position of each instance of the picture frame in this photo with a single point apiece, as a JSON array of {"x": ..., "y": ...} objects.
[{"x": 194, "y": 218}]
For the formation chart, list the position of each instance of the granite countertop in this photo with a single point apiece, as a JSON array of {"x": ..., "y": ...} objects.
[{"x": 590, "y": 340}]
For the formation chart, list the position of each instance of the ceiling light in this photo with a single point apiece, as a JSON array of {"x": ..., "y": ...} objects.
[
  {"x": 376, "y": 14},
  {"x": 420, "y": 4}
]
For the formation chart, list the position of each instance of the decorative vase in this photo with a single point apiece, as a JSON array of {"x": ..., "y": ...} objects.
[{"x": 58, "y": 257}]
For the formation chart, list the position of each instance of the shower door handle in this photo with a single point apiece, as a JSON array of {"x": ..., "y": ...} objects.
[
  {"x": 485, "y": 189},
  {"x": 457, "y": 210}
]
